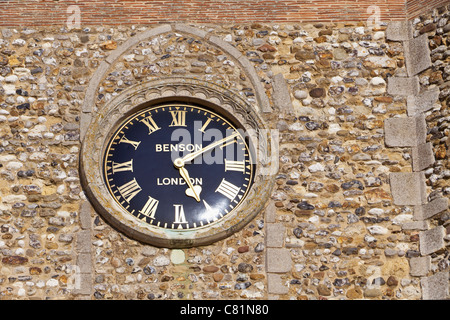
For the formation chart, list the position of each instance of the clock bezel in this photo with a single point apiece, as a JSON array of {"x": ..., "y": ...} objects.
[{"x": 134, "y": 99}]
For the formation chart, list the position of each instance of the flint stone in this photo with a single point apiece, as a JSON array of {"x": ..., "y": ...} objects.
[
  {"x": 317, "y": 92},
  {"x": 372, "y": 292},
  {"x": 305, "y": 55},
  {"x": 340, "y": 54},
  {"x": 14, "y": 260},
  {"x": 161, "y": 261}
]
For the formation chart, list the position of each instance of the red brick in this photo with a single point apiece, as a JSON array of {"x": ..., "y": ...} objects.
[{"x": 49, "y": 12}]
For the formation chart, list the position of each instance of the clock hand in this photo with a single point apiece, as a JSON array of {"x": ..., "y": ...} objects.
[
  {"x": 213, "y": 145},
  {"x": 192, "y": 191}
]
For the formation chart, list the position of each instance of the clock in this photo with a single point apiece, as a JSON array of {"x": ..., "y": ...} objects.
[
  {"x": 177, "y": 162},
  {"x": 178, "y": 166}
]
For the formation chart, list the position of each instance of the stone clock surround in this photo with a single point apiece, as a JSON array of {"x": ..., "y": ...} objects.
[
  {"x": 176, "y": 89},
  {"x": 93, "y": 132}
]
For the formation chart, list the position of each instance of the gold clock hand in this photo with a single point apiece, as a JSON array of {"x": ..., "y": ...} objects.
[
  {"x": 213, "y": 145},
  {"x": 192, "y": 191}
]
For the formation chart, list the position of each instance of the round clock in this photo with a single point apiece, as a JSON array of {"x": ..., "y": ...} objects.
[
  {"x": 177, "y": 163},
  {"x": 178, "y": 166}
]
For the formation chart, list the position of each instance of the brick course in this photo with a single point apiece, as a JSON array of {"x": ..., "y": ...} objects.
[{"x": 95, "y": 12}]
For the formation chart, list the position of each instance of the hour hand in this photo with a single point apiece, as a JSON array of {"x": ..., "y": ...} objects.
[{"x": 192, "y": 191}]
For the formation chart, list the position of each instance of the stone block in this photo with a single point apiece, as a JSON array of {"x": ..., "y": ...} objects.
[
  {"x": 84, "y": 263},
  {"x": 401, "y": 86},
  {"x": 275, "y": 233},
  {"x": 278, "y": 260},
  {"x": 422, "y": 102},
  {"x": 263, "y": 100},
  {"x": 415, "y": 225},
  {"x": 85, "y": 215},
  {"x": 417, "y": 55},
  {"x": 435, "y": 287},
  {"x": 430, "y": 209},
  {"x": 281, "y": 94},
  {"x": 399, "y": 30},
  {"x": 83, "y": 285},
  {"x": 422, "y": 156},
  {"x": 408, "y": 188},
  {"x": 431, "y": 240},
  {"x": 84, "y": 241},
  {"x": 405, "y": 132},
  {"x": 270, "y": 212},
  {"x": 420, "y": 266},
  {"x": 85, "y": 121},
  {"x": 275, "y": 284},
  {"x": 184, "y": 28},
  {"x": 235, "y": 53}
]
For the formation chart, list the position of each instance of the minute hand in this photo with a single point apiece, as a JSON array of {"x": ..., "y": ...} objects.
[{"x": 213, "y": 145}]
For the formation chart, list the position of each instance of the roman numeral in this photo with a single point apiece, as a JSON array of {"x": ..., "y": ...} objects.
[
  {"x": 178, "y": 118},
  {"x": 205, "y": 125},
  {"x": 125, "y": 166},
  {"x": 129, "y": 190},
  {"x": 135, "y": 144},
  {"x": 235, "y": 165},
  {"x": 228, "y": 189},
  {"x": 150, "y": 207},
  {"x": 180, "y": 218},
  {"x": 151, "y": 124}
]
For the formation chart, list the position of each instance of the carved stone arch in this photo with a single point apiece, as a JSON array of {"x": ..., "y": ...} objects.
[{"x": 89, "y": 100}]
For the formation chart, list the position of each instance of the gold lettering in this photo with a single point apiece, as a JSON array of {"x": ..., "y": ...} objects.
[
  {"x": 129, "y": 190},
  {"x": 178, "y": 118},
  {"x": 228, "y": 189},
  {"x": 177, "y": 147},
  {"x": 180, "y": 218},
  {"x": 135, "y": 144},
  {"x": 205, "y": 125},
  {"x": 150, "y": 123},
  {"x": 150, "y": 207},
  {"x": 234, "y": 165}
]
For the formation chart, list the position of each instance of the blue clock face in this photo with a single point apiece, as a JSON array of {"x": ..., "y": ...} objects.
[{"x": 178, "y": 166}]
